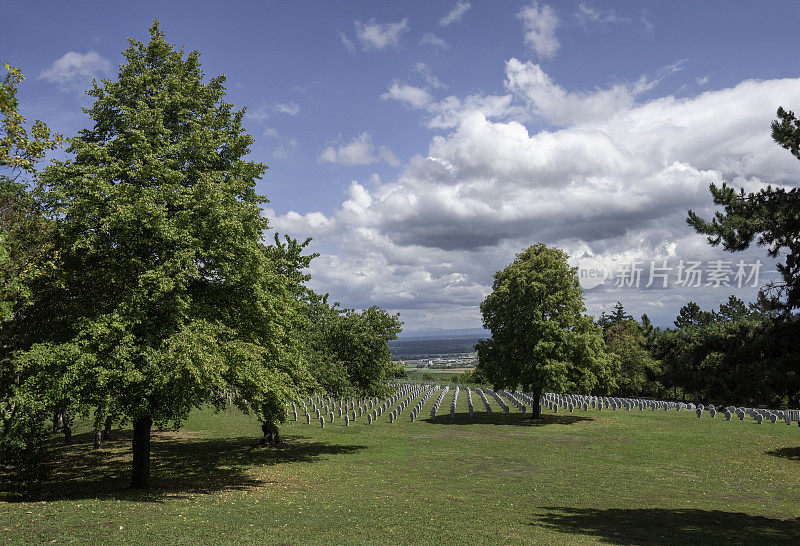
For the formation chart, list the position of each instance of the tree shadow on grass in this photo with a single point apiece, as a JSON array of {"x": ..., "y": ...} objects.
[
  {"x": 511, "y": 419},
  {"x": 180, "y": 466},
  {"x": 680, "y": 526},
  {"x": 791, "y": 453}
]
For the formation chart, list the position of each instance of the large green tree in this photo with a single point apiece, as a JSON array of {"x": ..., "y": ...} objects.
[
  {"x": 770, "y": 217},
  {"x": 541, "y": 338},
  {"x": 170, "y": 299}
]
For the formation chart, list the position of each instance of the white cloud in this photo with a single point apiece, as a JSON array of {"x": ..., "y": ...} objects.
[
  {"x": 614, "y": 183},
  {"x": 359, "y": 151},
  {"x": 289, "y": 108},
  {"x": 75, "y": 69},
  {"x": 432, "y": 39},
  {"x": 424, "y": 70},
  {"x": 556, "y": 105},
  {"x": 539, "y": 24},
  {"x": 647, "y": 25},
  {"x": 376, "y": 36},
  {"x": 385, "y": 154},
  {"x": 292, "y": 222},
  {"x": 415, "y": 97},
  {"x": 348, "y": 44},
  {"x": 448, "y": 112},
  {"x": 587, "y": 14},
  {"x": 258, "y": 114},
  {"x": 283, "y": 151},
  {"x": 455, "y": 14}
]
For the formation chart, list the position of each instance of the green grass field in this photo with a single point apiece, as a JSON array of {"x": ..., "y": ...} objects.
[{"x": 584, "y": 477}]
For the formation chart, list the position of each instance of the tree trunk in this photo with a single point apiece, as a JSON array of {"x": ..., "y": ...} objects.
[
  {"x": 58, "y": 422},
  {"x": 141, "y": 453},
  {"x": 271, "y": 436},
  {"x": 66, "y": 427},
  {"x": 98, "y": 438},
  {"x": 107, "y": 428},
  {"x": 536, "y": 409}
]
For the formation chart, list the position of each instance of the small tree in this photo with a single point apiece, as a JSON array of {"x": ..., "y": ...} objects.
[
  {"x": 170, "y": 299},
  {"x": 349, "y": 349},
  {"x": 691, "y": 315},
  {"x": 541, "y": 338},
  {"x": 640, "y": 373},
  {"x": 617, "y": 318}
]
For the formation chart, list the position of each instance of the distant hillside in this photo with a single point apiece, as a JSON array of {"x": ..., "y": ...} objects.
[
  {"x": 408, "y": 349},
  {"x": 442, "y": 333}
]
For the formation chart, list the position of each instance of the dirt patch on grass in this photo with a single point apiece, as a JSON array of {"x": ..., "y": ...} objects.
[{"x": 182, "y": 434}]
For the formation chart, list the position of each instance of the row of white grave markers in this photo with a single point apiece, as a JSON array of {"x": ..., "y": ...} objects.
[
  {"x": 499, "y": 400},
  {"x": 410, "y": 395},
  {"x": 427, "y": 394},
  {"x": 484, "y": 400},
  {"x": 435, "y": 407},
  {"x": 570, "y": 401},
  {"x": 351, "y": 409},
  {"x": 514, "y": 400}
]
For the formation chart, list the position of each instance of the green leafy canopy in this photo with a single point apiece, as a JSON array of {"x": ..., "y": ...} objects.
[
  {"x": 168, "y": 297},
  {"x": 541, "y": 338}
]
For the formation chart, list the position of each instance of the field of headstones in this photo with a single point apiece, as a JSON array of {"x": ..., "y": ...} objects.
[
  {"x": 440, "y": 464},
  {"x": 319, "y": 406}
]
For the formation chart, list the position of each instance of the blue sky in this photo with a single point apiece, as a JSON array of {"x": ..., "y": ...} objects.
[{"x": 423, "y": 144}]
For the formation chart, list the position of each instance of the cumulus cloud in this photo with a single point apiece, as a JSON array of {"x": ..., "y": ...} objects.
[
  {"x": 614, "y": 183},
  {"x": 449, "y": 111},
  {"x": 359, "y": 151},
  {"x": 376, "y": 36},
  {"x": 75, "y": 69},
  {"x": 385, "y": 154},
  {"x": 455, "y": 14},
  {"x": 293, "y": 222},
  {"x": 540, "y": 24},
  {"x": 556, "y": 105}
]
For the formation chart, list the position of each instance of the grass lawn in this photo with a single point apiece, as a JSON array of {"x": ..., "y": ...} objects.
[{"x": 584, "y": 477}]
